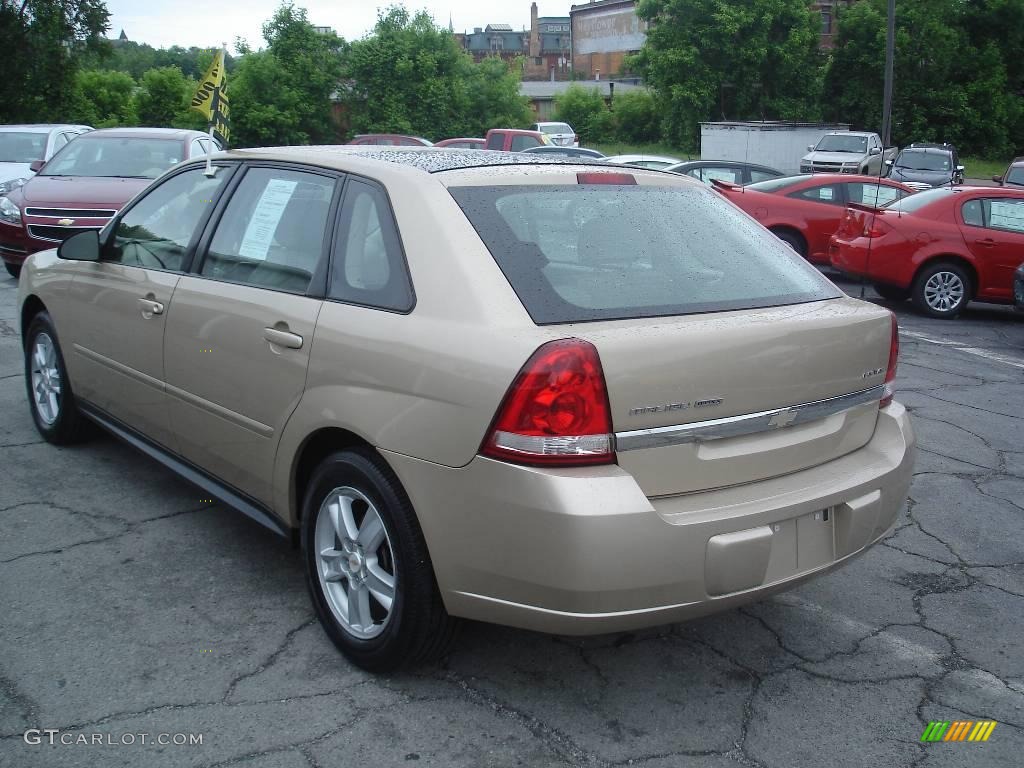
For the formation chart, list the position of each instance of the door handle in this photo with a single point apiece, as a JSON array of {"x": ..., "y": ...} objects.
[
  {"x": 282, "y": 338},
  {"x": 988, "y": 242},
  {"x": 150, "y": 308}
]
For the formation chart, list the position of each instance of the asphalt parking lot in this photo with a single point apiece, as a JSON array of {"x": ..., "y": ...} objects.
[{"x": 130, "y": 605}]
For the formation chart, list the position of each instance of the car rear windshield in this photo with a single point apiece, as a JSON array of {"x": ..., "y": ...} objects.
[
  {"x": 915, "y": 202},
  {"x": 21, "y": 147},
  {"x": 555, "y": 128},
  {"x": 602, "y": 252},
  {"x": 120, "y": 156},
  {"x": 923, "y": 161}
]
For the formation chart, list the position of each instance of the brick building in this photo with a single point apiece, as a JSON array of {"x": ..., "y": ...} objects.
[
  {"x": 830, "y": 11},
  {"x": 544, "y": 48},
  {"x": 603, "y": 34}
]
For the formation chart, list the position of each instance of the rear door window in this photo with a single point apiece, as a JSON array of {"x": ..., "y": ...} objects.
[
  {"x": 576, "y": 253},
  {"x": 876, "y": 195},
  {"x": 826, "y": 193},
  {"x": 496, "y": 141}
]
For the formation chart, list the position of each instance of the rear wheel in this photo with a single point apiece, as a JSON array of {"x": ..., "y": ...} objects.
[
  {"x": 942, "y": 290},
  {"x": 54, "y": 410},
  {"x": 793, "y": 240},
  {"x": 367, "y": 565},
  {"x": 891, "y": 292},
  {"x": 14, "y": 270}
]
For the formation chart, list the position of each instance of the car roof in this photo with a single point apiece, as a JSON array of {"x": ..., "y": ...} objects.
[
  {"x": 688, "y": 164},
  {"x": 38, "y": 127},
  {"x": 514, "y": 130},
  {"x": 635, "y": 158},
  {"x": 934, "y": 149},
  {"x": 145, "y": 133}
]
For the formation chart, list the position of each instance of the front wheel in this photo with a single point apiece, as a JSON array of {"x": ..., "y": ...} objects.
[
  {"x": 941, "y": 290},
  {"x": 14, "y": 270},
  {"x": 367, "y": 565}
]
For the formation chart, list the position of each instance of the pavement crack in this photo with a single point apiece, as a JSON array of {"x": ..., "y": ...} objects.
[{"x": 271, "y": 659}]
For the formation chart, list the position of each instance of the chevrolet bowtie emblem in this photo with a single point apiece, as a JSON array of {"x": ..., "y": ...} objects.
[
  {"x": 782, "y": 419},
  {"x": 66, "y": 222}
]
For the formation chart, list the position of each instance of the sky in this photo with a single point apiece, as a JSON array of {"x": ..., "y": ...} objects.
[{"x": 207, "y": 24}]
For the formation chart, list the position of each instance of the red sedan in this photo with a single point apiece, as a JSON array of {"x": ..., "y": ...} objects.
[
  {"x": 941, "y": 248},
  {"x": 805, "y": 211}
]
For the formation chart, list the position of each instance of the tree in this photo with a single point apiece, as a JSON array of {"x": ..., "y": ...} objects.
[
  {"x": 282, "y": 95},
  {"x": 584, "y": 108},
  {"x": 101, "y": 99},
  {"x": 494, "y": 98},
  {"x": 163, "y": 98},
  {"x": 730, "y": 59},
  {"x": 40, "y": 37},
  {"x": 637, "y": 118}
]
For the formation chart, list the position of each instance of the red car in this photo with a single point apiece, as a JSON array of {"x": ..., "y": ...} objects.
[
  {"x": 86, "y": 183},
  {"x": 515, "y": 140},
  {"x": 462, "y": 143},
  {"x": 805, "y": 211},
  {"x": 941, "y": 248},
  {"x": 390, "y": 140}
]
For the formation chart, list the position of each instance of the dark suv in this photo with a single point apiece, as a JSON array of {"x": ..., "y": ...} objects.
[{"x": 923, "y": 166}]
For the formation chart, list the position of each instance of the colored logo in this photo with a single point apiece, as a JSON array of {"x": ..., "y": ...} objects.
[{"x": 958, "y": 730}]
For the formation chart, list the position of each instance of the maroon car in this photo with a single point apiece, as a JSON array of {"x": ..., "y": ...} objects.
[{"x": 86, "y": 183}]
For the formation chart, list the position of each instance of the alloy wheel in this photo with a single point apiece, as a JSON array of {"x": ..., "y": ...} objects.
[
  {"x": 355, "y": 562},
  {"x": 46, "y": 381},
  {"x": 944, "y": 291}
]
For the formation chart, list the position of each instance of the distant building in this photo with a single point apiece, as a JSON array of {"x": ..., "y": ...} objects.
[
  {"x": 119, "y": 40},
  {"x": 324, "y": 30},
  {"x": 545, "y": 48},
  {"x": 604, "y": 33},
  {"x": 830, "y": 11},
  {"x": 542, "y": 94}
]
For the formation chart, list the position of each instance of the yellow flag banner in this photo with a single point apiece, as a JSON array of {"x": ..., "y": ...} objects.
[{"x": 211, "y": 98}]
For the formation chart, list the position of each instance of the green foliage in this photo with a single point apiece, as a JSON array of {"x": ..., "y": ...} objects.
[
  {"x": 958, "y": 72},
  {"x": 138, "y": 58},
  {"x": 730, "y": 59},
  {"x": 637, "y": 117},
  {"x": 282, "y": 95},
  {"x": 163, "y": 97},
  {"x": 410, "y": 76},
  {"x": 41, "y": 38},
  {"x": 584, "y": 108},
  {"x": 102, "y": 99}
]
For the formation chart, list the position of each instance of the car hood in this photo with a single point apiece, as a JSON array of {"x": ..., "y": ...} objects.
[
  {"x": 10, "y": 171},
  {"x": 935, "y": 178},
  {"x": 834, "y": 157},
  {"x": 81, "y": 190}
]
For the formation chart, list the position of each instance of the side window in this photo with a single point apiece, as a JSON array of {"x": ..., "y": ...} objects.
[
  {"x": 731, "y": 175},
  {"x": 272, "y": 232},
  {"x": 198, "y": 149},
  {"x": 520, "y": 142},
  {"x": 696, "y": 173},
  {"x": 496, "y": 141},
  {"x": 827, "y": 193},
  {"x": 59, "y": 141},
  {"x": 972, "y": 214},
  {"x": 756, "y": 176},
  {"x": 368, "y": 266},
  {"x": 1005, "y": 213},
  {"x": 875, "y": 195},
  {"x": 155, "y": 233}
]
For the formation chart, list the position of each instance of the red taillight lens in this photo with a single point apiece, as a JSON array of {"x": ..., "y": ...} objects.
[
  {"x": 875, "y": 227},
  {"x": 556, "y": 411},
  {"x": 889, "y": 388},
  {"x": 606, "y": 178}
]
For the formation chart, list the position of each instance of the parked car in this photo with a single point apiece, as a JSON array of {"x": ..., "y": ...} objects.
[
  {"x": 86, "y": 183},
  {"x": 459, "y": 413},
  {"x": 462, "y": 143},
  {"x": 514, "y": 140},
  {"x": 923, "y": 166},
  {"x": 847, "y": 152},
  {"x": 580, "y": 153},
  {"x": 1014, "y": 176},
  {"x": 805, "y": 211},
  {"x": 724, "y": 170},
  {"x": 651, "y": 162},
  {"x": 389, "y": 140},
  {"x": 1018, "y": 287},
  {"x": 22, "y": 145},
  {"x": 561, "y": 134},
  {"x": 973, "y": 244}
]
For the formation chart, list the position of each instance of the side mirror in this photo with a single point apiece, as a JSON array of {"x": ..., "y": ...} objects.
[
  {"x": 890, "y": 161},
  {"x": 35, "y": 165},
  {"x": 810, "y": 147},
  {"x": 874, "y": 151},
  {"x": 84, "y": 246},
  {"x": 998, "y": 179},
  {"x": 959, "y": 169}
]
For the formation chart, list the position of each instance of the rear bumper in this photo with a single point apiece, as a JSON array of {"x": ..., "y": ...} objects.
[{"x": 583, "y": 551}]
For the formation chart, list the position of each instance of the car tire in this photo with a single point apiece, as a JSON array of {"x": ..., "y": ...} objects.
[
  {"x": 51, "y": 399},
  {"x": 14, "y": 270},
  {"x": 891, "y": 292},
  {"x": 793, "y": 240},
  {"x": 363, "y": 547},
  {"x": 941, "y": 290}
]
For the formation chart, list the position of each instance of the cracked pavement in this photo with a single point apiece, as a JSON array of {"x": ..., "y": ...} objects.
[{"x": 129, "y": 606}]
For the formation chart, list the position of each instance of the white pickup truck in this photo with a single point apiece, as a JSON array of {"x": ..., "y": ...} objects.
[{"x": 847, "y": 152}]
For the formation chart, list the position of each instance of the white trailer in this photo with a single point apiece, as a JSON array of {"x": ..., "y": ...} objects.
[{"x": 778, "y": 145}]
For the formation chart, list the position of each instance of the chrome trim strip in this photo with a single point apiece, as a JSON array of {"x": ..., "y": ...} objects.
[
  {"x": 71, "y": 213},
  {"x": 233, "y": 417},
  {"x": 139, "y": 376},
  {"x": 747, "y": 424}
]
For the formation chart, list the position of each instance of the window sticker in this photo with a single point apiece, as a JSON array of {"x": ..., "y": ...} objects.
[
  {"x": 825, "y": 193},
  {"x": 260, "y": 233},
  {"x": 1007, "y": 214}
]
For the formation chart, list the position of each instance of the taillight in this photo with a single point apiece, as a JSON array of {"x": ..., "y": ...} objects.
[
  {"x": 602, "y": 177},
  {"x": 875, "y": 227},
  {"x": 575, "y": 139},
  {"x": 556, "y": 411},
  {"x": 889, "y": 387}
]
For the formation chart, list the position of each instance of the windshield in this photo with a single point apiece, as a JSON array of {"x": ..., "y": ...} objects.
[
  {"x": 837, "y": 142},
  {"x": 1016, "y": 176},
  {"x": 21, "y": 147},
  {"x": 923, "y": 161},
  {"x": 123, "y": 156},
  {"x": 912, "y": 203},
  {"x": 555, "y": 128},
  {"x": 601, "y": 252}
]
